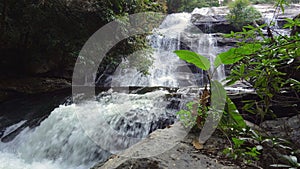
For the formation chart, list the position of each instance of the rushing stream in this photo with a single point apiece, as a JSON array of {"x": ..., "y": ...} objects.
[
  {"x": 115, "y": 120},
  {"x": 60, "y": 142}
]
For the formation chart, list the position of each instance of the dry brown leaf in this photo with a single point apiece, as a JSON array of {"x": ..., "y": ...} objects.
[{"x": 197, "y": 145}]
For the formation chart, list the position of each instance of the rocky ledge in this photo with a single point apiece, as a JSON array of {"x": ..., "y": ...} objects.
[
  {"x": 181, "y": 153},
  {"x": 213, "y": 19},
  {"x": 10, "y": 88}
]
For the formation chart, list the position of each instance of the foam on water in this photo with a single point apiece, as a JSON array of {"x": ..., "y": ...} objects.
[{"x": 77, "y": 136}]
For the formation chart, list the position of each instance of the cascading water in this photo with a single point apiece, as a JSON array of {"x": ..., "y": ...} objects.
[
  {"x": 167, "y": 69},
  {"x": 77, "y": 136}
]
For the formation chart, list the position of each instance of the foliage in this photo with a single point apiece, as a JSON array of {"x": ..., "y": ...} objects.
[
  {"x": 272, "y": 1},
  {"x": 203, "y": 63},
  {"x": 52, "y": 32},
  {"x": 246, "y": 144},
  {"x": 269, "y": 64},
  {"x": 242, "y": 152},
  {"x": 188, "y": 118},
  {"x": 241, "y": 13},
  {"x": 231, "y": 117},
  {"x": 249, "y": 146}
]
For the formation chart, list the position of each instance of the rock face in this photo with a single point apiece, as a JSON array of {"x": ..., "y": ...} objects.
[
  {"x": 213, "y": 20},
  {"x": 182, "y": 155},
  {"x": 10, "y": 88},
  {"x": 286, "y": 127}
]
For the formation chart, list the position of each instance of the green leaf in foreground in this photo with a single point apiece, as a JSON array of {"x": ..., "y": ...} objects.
[
  {"x": 233, "y": 55},
  {"x": 233, "y": 112},
  {"x": 194, "y": 58},
  {"x": 217, "y": 62},
  {"x": 229, "y": 57}
]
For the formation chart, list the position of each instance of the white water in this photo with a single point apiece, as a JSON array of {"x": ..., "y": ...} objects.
[
  {"x": 64, "y": 142},
  {"x": 58, "y": 143},
  {"x": 167, "y": 69}
]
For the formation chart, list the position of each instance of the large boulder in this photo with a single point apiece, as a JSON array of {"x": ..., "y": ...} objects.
[
  {"x": 182, "y": 155},
  {"x": 212, "y": 20}
]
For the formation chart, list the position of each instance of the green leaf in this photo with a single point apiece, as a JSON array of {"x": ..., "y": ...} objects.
[
  {"x": 293, "y": 81},
  {"x": 217, "y": 62},
  {"x": 214, "y": 115},
  {"x": 194, "y": 58},
  {"x": 237, "y": 142},
  {"x": 249, "y": 49},
  {"x": 242, "y": 69},
  {"x": 218, "y": 96},
  {"x": 229, "y": 57},
  {"x": 234, "y": 113},
  {"x": 297, "y": 52},
  {"x": 233, "y": 55}
]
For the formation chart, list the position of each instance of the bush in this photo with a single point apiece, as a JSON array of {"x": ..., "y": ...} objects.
[{"x": 241, "y": 13}]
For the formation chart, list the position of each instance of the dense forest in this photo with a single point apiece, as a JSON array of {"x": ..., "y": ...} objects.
[{"x": 45, "y": 37}]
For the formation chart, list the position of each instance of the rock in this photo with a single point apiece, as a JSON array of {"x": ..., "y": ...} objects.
[
  {"x": 268, "y": 10},
  {"x": 180, "y": 155},
  {"x": 213, "y": 19},
  {"x": 31, "y": 85},
  {"x": 222, "y": 41},
  {"x": 286, "y": 127},
  {"x": 30, "y": 109}
]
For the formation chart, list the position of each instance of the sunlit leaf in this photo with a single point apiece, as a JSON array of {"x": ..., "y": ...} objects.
[
  {"x": 229, "y": 57},
  {"x": 194, "y": 58}
]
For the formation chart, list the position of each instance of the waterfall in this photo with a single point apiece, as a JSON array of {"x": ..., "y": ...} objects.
[
  {"x": 271, "y": 20},
  {"x": 77, "y": 136},
  {"x": 176, "y": 32}
]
